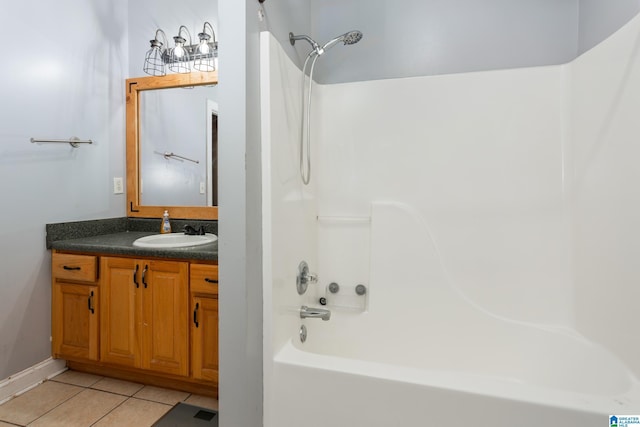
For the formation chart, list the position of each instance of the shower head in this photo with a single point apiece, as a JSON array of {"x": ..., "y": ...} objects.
[{"x": 351, "y": 37}]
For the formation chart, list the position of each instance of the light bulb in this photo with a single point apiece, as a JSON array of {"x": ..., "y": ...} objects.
[{"x": 203, "y": 48}]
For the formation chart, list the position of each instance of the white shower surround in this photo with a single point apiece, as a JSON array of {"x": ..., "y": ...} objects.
[
  {"x": 500, "y": 204},
  {"x": 480, "y": 156}
]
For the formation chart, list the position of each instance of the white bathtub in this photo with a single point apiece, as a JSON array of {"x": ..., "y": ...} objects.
[
  {"x": 573, "y": 384},
  {"x": 423, "y": 354}
]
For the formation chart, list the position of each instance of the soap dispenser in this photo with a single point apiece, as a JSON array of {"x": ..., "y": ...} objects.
[{"x": 166, "y": 225}]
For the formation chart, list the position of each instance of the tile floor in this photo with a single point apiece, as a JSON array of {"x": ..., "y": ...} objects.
[{"x": 75, "y": 399}]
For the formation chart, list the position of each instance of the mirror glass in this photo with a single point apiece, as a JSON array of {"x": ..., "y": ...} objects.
[
  {"x": 178, "y": 145},
  {"x": 172, "y": 141}
]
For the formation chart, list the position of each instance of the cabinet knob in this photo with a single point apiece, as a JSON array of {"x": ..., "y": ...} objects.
[
  {"x": 66, "y": 267},
  {"x": 206, "y": 279}
]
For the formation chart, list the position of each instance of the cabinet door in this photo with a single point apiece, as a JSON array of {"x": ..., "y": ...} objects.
[
  {"x": 120, "y": 284},
  {"x": 204, "y": 336},
  {"x": 165, "y": 305},
  {"x": 74, "y": 321}
]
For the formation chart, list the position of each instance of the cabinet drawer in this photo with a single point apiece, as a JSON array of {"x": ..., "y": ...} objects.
[
  {"x": 204, "y": 278},
  {"x": 82, "y": 268}
]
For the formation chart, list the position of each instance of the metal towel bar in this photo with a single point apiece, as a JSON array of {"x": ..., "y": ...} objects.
[
  {"x": 73, "y": 141},
  {"x": 168, "y": 155}
]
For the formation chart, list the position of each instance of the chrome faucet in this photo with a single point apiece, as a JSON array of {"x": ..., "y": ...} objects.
[
  {"x": 314, "y": 313},
  {"x": 190, "y": 231}
]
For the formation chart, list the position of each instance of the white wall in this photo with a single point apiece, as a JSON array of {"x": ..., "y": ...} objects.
[
  {"x": 605, "y": 148},
  {"x": 479, "y": 155},
  {"x": 61, "y": 78},
  {"x": 240, "y": 216}
]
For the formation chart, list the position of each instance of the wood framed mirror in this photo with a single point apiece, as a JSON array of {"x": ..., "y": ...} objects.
[{"x": 138, "y": 204}]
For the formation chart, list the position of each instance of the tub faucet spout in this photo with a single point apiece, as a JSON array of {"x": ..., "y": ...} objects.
[{"x": 314, "y": 313}]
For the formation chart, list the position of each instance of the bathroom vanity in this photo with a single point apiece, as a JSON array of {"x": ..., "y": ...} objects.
[
  {"x": 142, "y": 314},
  {"x": 145, "y": 314}
]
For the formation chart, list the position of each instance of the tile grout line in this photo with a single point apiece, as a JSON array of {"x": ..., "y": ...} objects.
[
  {"x": 132, "y": 395},
  {"x": 112, "y": 409},
  {"x": 129, "y": 398},
  {"x": 84, "y": 388},
  {"x": 163, "y": 403},
  {"x": 61, "y": 403},
  {"x": 139, "y": 398},
  {"x": 90, "y": 387},
  {"x": 74, "y": 384}
]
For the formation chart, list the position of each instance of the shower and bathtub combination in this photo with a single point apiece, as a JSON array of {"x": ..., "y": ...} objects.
[{"x": 464, "y": 206}]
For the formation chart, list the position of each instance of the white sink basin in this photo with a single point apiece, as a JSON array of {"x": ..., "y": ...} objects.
[{"x": 174, "y": 240}]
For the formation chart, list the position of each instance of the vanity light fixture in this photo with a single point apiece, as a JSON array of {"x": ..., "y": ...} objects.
[{"x": 179, "y": 58}]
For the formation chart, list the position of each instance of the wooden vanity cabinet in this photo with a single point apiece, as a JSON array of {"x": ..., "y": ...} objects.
[
  {"x": 75, "y": 307},
  {"x": 149, "y": 320},
  {"x": 144, "y": 310},
  {"x": 204, "y": 324}
]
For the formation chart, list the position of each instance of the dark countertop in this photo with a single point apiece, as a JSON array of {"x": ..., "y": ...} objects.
[
  {"x": 122, "y": 244},
  {"x": 117, "y": 240}
]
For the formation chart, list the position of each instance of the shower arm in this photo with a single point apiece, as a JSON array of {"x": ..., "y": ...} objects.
[{"x": 316, "y": 47}]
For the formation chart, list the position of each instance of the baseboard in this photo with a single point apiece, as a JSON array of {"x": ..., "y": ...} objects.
[{"x": 30, "y": 377}]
